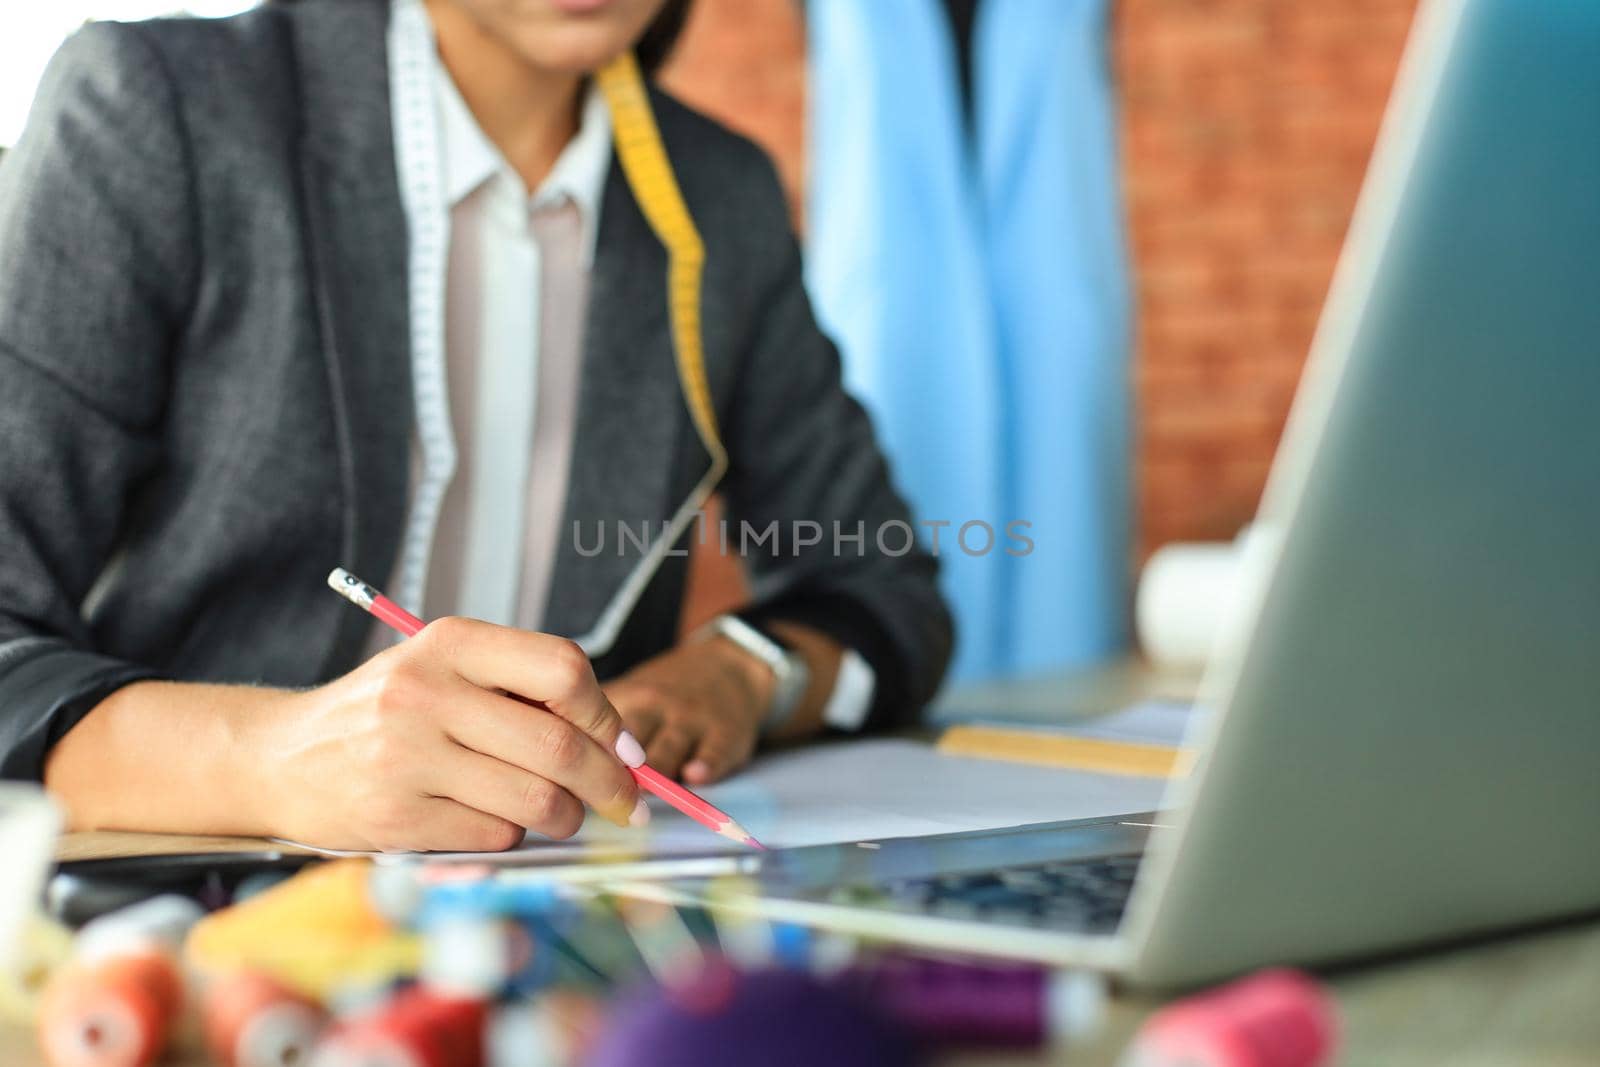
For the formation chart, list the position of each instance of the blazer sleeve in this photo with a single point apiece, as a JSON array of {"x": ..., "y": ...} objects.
[
  {"x": 96, "y": 265},
  {"x": 803, "y": 452}
]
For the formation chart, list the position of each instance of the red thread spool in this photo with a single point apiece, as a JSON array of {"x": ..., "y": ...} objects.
[
  {"x": 116, "y": 1013},
  {"x": 415, "y": 1029},
  {"x": 252, "y": 1020}
]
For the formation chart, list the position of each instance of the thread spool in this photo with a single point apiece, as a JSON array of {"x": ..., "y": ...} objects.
[
  {"x": 252, "y": 1020},
  {"x": 467, "y": 956},
  {"x": 771, "y": 1017},
  {"x": 1183, "y": 599},
  {"x": 159, "y": 923},
  {"x": 1190, "y": 595},
  {"x": 395, "y": 891},
  {"x": 317, "y": 932},
  {"x": 117, "y": 1012},
  {"x": 484, "y": 937},
  {"x": 490, "y": 896},
  {"x": 521, "y": 1034},
  {"x": 42, "y": 948},
  {"x": 1274, "y": 1018},
  {"x": 987, "y": 1005},
  {"x": 555, "y": 1029},
  {"x": 416, "y": 1028}
]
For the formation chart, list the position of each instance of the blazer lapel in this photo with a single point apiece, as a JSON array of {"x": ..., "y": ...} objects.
[
  {"x": 630, "y": 420},
  {"x": 631, "y": 460},
  {"x": 355, "y": 234}
]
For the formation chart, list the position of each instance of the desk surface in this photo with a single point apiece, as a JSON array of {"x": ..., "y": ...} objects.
[
  {"x": 107, "y": 844},
  {"x": 1052, "y": 698},
  {"x": 1529, "y": 1001}
]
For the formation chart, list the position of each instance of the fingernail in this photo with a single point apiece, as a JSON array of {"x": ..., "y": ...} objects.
[
  {"x": 641, "y": 813},
  {"x": 699, "y": 770},
  {"x": 629, "y": 750}
]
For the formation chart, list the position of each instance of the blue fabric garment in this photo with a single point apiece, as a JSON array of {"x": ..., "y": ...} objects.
[
  {"x": 1051, "y": 220},
  {"x": 896, "y": 270},
  {"x": 977, "y": 289}
]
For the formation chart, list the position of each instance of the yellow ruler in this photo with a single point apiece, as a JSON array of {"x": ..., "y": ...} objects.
[{"x": 1064, "y": 750}]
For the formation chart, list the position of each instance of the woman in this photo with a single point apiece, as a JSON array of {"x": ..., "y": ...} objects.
[{"x": 359, "y": 282}]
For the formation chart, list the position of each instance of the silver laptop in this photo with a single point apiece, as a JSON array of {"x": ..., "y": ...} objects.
[{"x": 1401, "y": 732}]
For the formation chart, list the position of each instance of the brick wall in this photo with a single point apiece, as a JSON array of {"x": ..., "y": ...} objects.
[
  {"x": 744, "y": 62},
  {"x": 1246, "y": 128}
]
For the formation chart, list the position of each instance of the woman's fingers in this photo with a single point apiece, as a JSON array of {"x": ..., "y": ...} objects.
[
  {"x": 551, "y": 670},
  {"x": 442, "y": 824},
  {"x": 641, "y": 724},
  {"x": 668, "y": 737},
  {"x": 639, "y": 706},
  {"x": 422, "y": 747},
  {"x": 507, "y": 792},
  {"x": 541, "y": 754},
  {"x": 719, "y": 751},
  {"x": 670, "y": 746},
  {"x": 682, "y": 739}
]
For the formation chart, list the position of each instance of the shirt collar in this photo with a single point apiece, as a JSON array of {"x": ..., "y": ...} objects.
[{"x": 579, "y": 173}]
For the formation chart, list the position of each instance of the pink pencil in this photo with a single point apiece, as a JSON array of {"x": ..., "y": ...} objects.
[{"x": 712, "y": 818}]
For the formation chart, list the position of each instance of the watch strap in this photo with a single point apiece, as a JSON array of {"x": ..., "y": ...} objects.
[{"x": 789, "y": 671}]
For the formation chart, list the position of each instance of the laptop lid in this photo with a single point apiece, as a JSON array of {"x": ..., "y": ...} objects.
[{"x": 1405, "y": 724}]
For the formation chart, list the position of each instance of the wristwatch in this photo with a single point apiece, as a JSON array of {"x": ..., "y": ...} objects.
[{"x": 788, "y": 667}]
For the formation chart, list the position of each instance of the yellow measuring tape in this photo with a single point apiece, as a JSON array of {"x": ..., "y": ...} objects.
[{"x": 655, "y": 189}]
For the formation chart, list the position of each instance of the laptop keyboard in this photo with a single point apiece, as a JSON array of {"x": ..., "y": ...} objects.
[{"x": 1086, "y": 896}]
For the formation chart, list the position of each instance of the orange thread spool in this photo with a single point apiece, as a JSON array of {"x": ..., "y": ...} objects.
[
  {"x": 116, "y": 1013},
  {"x": 252, "y": 1020}
]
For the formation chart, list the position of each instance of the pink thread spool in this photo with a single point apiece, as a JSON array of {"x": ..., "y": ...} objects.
[{"x": 1275, "y": 1018}]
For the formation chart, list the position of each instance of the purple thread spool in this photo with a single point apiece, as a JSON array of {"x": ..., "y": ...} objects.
[
  {"x": 772, "y": 1018},
  {"x": 969, "y": 1004}
]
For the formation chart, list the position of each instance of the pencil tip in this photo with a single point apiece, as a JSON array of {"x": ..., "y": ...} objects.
[{"x": 734, "y": 832}]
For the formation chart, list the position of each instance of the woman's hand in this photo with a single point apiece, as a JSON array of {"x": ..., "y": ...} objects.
[
  {"x": 697, "y": 708},
  {"x": 421, "y": 748}
]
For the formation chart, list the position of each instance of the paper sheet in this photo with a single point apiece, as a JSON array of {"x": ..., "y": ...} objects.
[{"x": 856, "y": 791}]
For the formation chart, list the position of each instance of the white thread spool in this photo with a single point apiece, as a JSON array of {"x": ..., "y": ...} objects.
[{"x": 1188, "y": 595}]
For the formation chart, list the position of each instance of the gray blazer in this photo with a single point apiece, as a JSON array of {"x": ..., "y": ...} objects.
[{"x": 205, "y": 393}]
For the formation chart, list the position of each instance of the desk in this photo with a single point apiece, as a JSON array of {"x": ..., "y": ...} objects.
[
  {"x": 1524, "y": 1002},
  {"x": 1532, "y": 1001},
  {"x": 1054, "y": 698},
  {"x": 107, "y": 845}
]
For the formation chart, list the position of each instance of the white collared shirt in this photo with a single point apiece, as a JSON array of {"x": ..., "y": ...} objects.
[
  {"x": 510, "y": 398},
  {"x": 512, "y": 373},
  {"x": 471, "y": 161}
]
